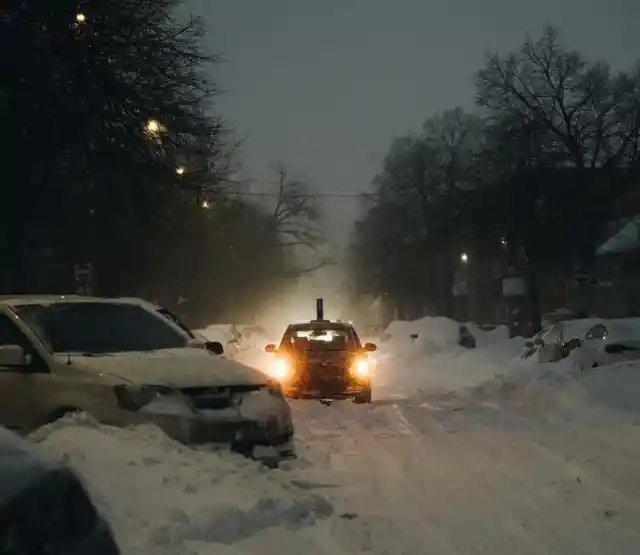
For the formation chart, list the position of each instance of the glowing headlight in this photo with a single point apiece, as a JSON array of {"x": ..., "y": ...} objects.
[
  {"x": 360, "y": 368},
  {"x": 282, "y": 369}
]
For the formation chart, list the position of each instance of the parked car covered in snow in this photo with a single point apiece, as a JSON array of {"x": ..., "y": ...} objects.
[
  {"x": 551, "y": 344},
  {"x": 596, "y": 341},
  {"x": 44, "y": 507},
  {"x": 609, "y": 342},
  {"x": 126, "y": 365}
]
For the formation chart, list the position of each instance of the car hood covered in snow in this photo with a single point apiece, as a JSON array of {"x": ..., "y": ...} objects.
[{"x": 172, "y": 367}]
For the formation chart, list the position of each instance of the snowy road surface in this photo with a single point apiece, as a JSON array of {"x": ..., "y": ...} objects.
[
  {"x": 392, "y": 478},
  {"x": 417, "y": 482}
]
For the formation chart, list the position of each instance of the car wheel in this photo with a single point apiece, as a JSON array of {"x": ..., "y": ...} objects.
[{"x": 364, "y": 397}]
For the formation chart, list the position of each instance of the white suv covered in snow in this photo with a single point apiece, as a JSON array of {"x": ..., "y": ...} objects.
[{"x": 124, "y": 364}]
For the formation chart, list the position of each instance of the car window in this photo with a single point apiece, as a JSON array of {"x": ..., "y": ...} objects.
[
  {"x": 320, "y": 338},
  {"x": 10, "y": 334},
  {"x": 552, "y": 335},
  {"x": 597, "y": 332},
  {"x": 173, "y": 318},
  {"x": 100, "y": 328},
  {"x": 356, "y": 338}
]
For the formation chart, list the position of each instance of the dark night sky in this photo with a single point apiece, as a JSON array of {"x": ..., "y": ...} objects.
[{"x": 326, "y": 84}]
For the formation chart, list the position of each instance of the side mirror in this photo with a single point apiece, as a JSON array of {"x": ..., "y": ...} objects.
[
  {"x": 12, "y": 357},
  {"x": 270, "y": 348},
  {"x": 413, "y": 336},
  {"x": 214, "y": 347},
  {"x": 573, "y": 344},
  {"x": 539, "y": 342},
  {"x": 529, "y": 345},
  {"x": 370, "y": 347}
]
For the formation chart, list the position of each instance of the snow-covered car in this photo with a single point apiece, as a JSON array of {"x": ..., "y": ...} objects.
[
  {"x": 44, "y": 507},
  {"x": 554, "y": 342},
  {"x": 126, "y": 365},
  {"x": 609, "y": 342},
  {"x": 196, "y": 340}
]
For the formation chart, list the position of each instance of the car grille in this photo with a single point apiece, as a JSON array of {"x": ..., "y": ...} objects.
[
  {"x": 327, "y": 371},
  {"x": 212, "y": 398},
  {"x": 50, "y": 517}
]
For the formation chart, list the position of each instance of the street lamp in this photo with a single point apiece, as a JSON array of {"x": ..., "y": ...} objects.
[
  {"x": 205, "y": 204},
  {"x": 464, "y": 258},
  {"x": 153, "y": 126},
  {"x": 180, "y": 170},
  {"x": 81, "y": 18}
]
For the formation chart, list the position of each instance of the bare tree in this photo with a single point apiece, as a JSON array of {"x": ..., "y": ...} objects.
[
  {"x": 591, "y": 119},
  {"x": 297, "y": 220},
  {"x": 594, "y": 116}
]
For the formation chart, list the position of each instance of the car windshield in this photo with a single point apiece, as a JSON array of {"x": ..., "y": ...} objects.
[
  {"x": 317, "y": 338},
  {"x": 99, "y": 328},
  {"x": 170, "y": 316}
]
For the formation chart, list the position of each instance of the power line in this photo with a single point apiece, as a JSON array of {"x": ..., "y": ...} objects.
[{"x": 275, "y": 194}]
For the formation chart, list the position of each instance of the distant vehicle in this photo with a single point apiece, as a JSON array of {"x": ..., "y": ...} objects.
[
  {"x": 125, "y": 365},
  {"x": 196, "y": 340},
  {"x": 596, "y": 341},
  {"x": 44, "y": 507},
  {"x": 323, "y": 359}
]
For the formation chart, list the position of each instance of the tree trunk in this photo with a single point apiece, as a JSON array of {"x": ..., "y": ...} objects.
[{"x": 532, "y": 294}]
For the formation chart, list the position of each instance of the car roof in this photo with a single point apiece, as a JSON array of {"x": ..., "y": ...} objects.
[
  {"x": 15, "y": 300},
  {"x": 141, "y": 302},
  {"x": 21, "y": 300},
  {"x": 20, "y": 465},
  {"x": 321, "y": 324}
]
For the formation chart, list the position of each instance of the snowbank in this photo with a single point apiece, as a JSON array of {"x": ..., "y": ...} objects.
[
  {"x": 407, "y": 374},
  {"x": 164, "y": 498},
  {"x": 433, "y": 333}
]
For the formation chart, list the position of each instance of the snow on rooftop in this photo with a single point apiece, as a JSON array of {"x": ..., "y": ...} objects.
[{"x": 626, "y": 239}]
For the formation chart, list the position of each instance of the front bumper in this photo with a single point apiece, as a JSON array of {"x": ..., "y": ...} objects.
[
  {"x": 226, "y": 427},
  {"x": 333, "y": 388}
]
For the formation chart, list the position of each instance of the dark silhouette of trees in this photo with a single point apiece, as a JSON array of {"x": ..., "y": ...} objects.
[
  {"x": 113, "y": 154},
  {"x": 530, "y": 178}
]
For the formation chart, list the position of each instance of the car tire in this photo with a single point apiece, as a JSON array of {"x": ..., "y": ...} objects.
[{"x": 364, "y": 397}]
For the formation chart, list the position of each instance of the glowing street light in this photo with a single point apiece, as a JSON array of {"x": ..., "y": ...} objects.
[
  {"x": 153, "y": 126},
  {"x": 464, "y": 258},
  {"x": 205, "y": 204},
  {"x": 180, "y": 170},
  {"x": 81, "y": 18},
  {"x": 503, "y": 241}
]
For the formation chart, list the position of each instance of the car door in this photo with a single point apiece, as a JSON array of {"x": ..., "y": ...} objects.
[{"x": 18, "y": 394}]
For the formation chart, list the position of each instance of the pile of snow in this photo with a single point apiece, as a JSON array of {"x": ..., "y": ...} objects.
[
  {"x": 453, "y": 369},
  {"x": 484, "y": 338},
  {"x": 433, "y": 334},
  {"x": 164, "y": 498}
]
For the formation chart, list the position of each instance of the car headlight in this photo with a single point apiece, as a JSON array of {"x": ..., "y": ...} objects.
[
  {"x": 134, "y": 398},
  {"x": 360, "y": 368},
  {"x": 281, "y": 369}
]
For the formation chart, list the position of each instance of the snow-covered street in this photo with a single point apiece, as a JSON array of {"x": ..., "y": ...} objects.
[{"x": 550, "y": 472}]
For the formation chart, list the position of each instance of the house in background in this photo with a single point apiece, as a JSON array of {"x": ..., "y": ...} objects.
[{"x": 617, "y": 290}]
